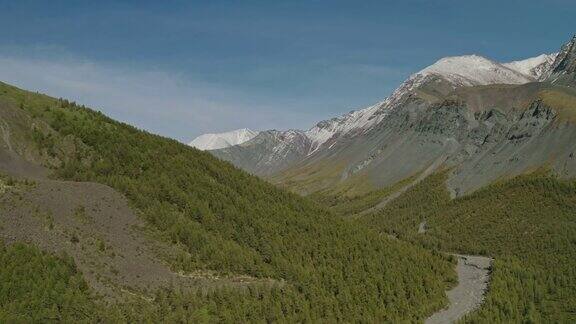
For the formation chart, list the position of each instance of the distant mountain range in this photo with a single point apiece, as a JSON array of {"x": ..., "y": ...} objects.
[
  {"x": 223, "y": 140},
  {"x": 482, "y": 118}
]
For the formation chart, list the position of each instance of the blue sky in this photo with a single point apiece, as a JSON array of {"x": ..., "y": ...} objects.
[{"x": 183, "y": 68}]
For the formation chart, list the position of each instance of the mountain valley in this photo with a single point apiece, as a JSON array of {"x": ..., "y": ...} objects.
[
  {"x": 469, "y": 156},
  {"x": 460, "y": 183}
]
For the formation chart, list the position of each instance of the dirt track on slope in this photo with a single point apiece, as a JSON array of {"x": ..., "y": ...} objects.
[
  {"x": 473, "y": 277},
  {"x": 433, "y": 167}
]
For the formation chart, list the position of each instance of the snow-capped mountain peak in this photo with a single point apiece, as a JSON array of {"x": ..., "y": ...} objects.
[
  {"x": 466, "y": 70},
  {"x": 223, "y": 140},
  {"x": 470, "y": 70},
  {"x": 474, "y": 70},
  {"x": 457, "y": 71}
]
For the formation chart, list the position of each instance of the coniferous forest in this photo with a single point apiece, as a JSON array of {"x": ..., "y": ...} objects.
[
  {"x": 527, "y": 224},
  {"x": 326, "y": 268}
]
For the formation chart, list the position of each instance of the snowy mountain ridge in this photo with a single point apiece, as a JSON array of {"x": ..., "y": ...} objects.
[
  {"x": 468, "y": 112},
  {"x": 465, "y": 70},
  {"x": 458, "y": 71},
  {"x": 325, "y": 130}
]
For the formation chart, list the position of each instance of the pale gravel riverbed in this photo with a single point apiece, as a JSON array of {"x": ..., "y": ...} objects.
[{"x": 473, "y": 277}]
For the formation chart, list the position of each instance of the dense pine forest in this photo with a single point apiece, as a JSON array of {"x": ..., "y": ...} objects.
[
  {"x": 39, "y": 288},
  {"x": 528, "y": 224},
  {"x": 233, "y": 223}
]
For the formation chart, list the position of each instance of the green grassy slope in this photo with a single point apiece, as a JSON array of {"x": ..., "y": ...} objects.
[
  {"x": 349, "y": 203},
  {"x": 528, "y": 224},
  {"x": 232, "y": 222}
]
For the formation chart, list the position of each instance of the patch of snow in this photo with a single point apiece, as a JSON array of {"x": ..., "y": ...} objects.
[
  {"x": 326, "y": 130},
  {"x": 471, "y": 70},
  {"x": 535, "y": 67},
  {"x": 223, "y": 140}
]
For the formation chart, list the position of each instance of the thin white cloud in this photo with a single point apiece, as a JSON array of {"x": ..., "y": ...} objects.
[{"x": 158, "y": 101}]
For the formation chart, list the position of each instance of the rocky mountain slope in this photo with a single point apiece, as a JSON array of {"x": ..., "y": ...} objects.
[
  {"x": 292, "y": 145},
  {"x": 481, "y": 118},
  {"x": 563, "y": 70}
]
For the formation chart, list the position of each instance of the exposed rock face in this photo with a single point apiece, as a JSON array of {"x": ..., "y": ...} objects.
[
  {"x": 564, "y": 68},
  {"x": 269, "y": 152},
  {"x": 512, "y": 131}
]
